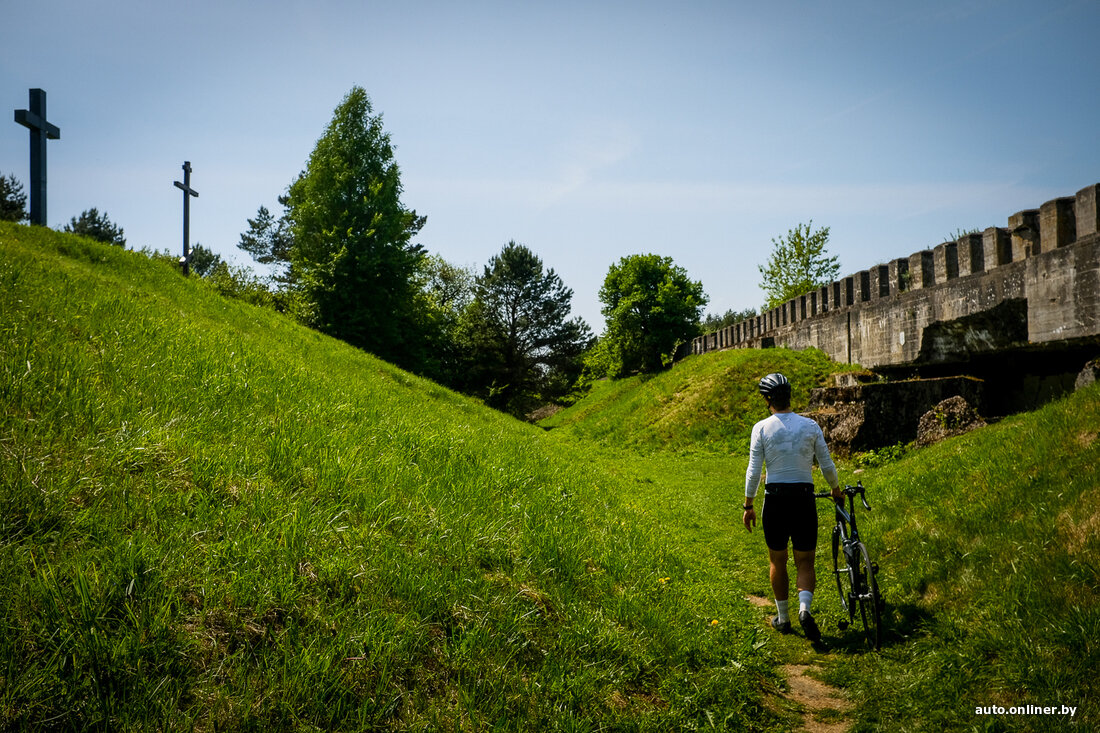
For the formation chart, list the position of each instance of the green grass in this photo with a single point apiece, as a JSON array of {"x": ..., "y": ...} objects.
[
  {"x": 212, "y": 518},
  {"x": 990, "y": 541},
  {"x": 703, "y": 404},
  {"x": 987, "y": 545}
]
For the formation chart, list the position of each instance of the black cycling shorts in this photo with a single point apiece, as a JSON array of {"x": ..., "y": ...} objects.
[{"x": 789, "y": 515}]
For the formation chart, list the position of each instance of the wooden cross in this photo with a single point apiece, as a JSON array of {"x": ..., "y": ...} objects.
[
  {"x": 41, "y": 131},
  {"x": 188, "y": 192}
]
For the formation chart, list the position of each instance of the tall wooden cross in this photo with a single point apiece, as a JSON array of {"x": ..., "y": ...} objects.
[
  {"x": 188, "y": 192},
  {"x": 41, "y": 131}
]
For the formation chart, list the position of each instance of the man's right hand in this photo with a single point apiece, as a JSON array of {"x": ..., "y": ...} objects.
[{"x": 749, "y": 518}]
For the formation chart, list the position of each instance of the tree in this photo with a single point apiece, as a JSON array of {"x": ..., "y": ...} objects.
[
  {"x": 13, "y": 202},
  {"x": 714, "y": 322},
  {"x": 797, "y": 265},
  {"x": 522, "y": 343},
  {"x": 351, "y": 254},
  {"x": 446, "y": 291},
  {"x": 269, "y": 240},
  {"x": 650, "y": 308},
  {"x": 204, "y": 261},
  {"x": 98, "y": 227}
]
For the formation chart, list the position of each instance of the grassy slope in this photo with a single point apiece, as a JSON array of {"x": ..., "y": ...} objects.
[
  {"x": 703, "y": 404},
  {"x": 987, "y": 542},
  {"x": 213, "y": 518}
]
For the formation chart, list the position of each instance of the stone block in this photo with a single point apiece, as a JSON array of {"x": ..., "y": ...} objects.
[
  {"x": 1057, "y": 223},
  {"x": 971, "y": 254},
  {"x": 1024, "y": 228},
  {"x": 899, "y": 275},
  {"x": 945, "y": 258},
  {"x": 996, "y": 247},
  {"x": 1086, "y": 212},
  {"x": 922, "y": 270}
]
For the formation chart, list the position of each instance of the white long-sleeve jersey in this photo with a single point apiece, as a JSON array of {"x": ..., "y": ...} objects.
[{"x": 787, "y": 444}]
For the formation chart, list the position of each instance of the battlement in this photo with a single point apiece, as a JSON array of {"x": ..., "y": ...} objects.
[{"x": 1035, "y": 281}]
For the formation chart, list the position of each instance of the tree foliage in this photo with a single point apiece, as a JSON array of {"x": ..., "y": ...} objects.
[
  {"x": 98, "y": 227},
  {"x": 526, "y": 349},
  {"x": 204, "y": 261},
  {"x": 714, "y": 322},
  {"x": 269, "y": 240},
  {"x": 13, "y": 202},
  {"x": 352, "y": 255},
  {"x": 446, "y": 291},
  {"x": 650, "y": 307},
  {"x": 798, "y": 264}
]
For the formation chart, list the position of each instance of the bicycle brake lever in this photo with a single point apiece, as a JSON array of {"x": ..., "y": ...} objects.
[{"x": 865, "y": 504}]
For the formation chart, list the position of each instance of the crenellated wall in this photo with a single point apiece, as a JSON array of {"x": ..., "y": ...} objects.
[{"x": 1035, "y": 281}]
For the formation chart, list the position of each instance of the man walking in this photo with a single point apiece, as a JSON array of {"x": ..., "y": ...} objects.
[{"x": 787, "y": 444}]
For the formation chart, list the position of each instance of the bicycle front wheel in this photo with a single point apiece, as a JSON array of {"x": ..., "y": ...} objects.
[
  {"x": 870, "y": 602},
  {"x": 845, "y": 576}
]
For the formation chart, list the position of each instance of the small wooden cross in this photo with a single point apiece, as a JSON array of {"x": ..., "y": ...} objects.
[
  {"x": 188, "y": 192},
  {"x": 41, "y": 131}
]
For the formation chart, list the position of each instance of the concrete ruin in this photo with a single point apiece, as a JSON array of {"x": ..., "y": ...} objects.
[{"x": 1016, "y": 306}]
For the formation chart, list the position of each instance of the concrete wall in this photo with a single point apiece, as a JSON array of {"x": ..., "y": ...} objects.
[{"x": 1035, "y": 281}]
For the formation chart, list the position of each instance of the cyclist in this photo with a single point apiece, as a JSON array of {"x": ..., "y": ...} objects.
[{"x": 787, "y": 443}]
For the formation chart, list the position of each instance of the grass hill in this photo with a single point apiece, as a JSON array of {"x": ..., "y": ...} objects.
[
  {"x": 212, "y": 518},
  {"x": 700, "y": 405}
]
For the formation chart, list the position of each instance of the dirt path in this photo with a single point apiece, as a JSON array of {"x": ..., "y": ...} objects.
[{"x": 825, "y": 709}]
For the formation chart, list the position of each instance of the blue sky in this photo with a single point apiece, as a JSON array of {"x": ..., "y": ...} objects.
[{"x": 587, "y": 131}]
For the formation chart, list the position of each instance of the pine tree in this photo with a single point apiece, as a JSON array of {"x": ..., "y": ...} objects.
[
  {"x": 13, "y": 202},
  {"x": 98, "y": 227}
]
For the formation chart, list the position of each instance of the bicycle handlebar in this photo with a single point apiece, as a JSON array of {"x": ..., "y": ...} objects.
[{"x": 849, "y": 491}]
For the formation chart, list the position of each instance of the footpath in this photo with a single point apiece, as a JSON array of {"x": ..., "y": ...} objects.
[{"x": 697, "y": 501}]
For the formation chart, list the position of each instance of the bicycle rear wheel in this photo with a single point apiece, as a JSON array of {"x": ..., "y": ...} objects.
[{"x": 870, "y": 602}]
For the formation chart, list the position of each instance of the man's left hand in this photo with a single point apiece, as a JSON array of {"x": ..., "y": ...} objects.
[{"x": 749, "y": 518}]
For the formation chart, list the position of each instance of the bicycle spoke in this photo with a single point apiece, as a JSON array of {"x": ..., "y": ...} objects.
[{"x": 870, "y": 602}]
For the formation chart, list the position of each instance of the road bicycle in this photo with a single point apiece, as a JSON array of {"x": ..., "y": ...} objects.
[{"x": 853, "y": 569}]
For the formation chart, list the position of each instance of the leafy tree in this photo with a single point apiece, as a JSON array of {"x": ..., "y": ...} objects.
[
  {"x": 450, "y": 288},
  {"x": 351, "y": 254},
  {"x": 523, "y": 345},
  {"x": 446, "y": 291},
  {"x": 797, "y": 265},
  {"x": 13, "y": 202},
  {"x": 98, "y": 227},
  {"x": 650, "y": 308},
  {"x": 268, "y": 239}
]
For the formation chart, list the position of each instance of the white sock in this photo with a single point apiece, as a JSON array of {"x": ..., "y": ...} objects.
[
  {"x": 781, "y": 607},
  {"x": 805, "y": 600}
]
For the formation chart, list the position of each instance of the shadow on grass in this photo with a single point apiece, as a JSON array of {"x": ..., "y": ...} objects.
[{"x": 900, "y": 623}]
